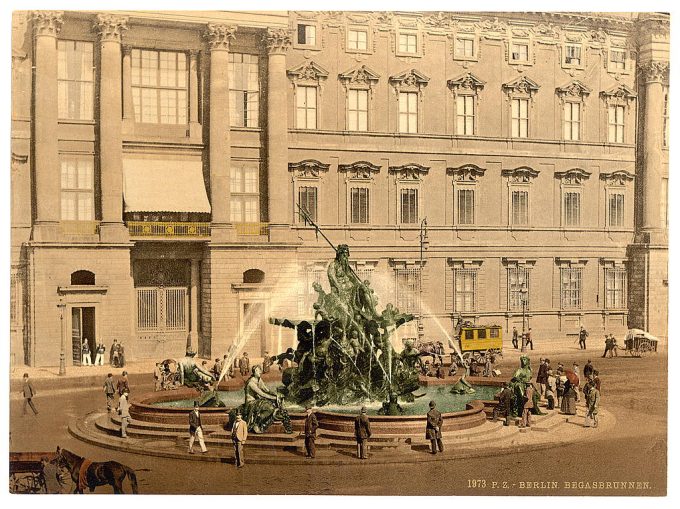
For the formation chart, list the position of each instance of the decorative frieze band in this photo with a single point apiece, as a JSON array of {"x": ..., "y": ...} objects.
[
  {"x": 47, "y": 22},
  {"x": 219, "y": 36},
  {"x": 277, "y": 40},
  {"x": 110, "y": 27}
]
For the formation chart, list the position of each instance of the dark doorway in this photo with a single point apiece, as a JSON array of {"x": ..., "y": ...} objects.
[{"x": 82, "y": 328}]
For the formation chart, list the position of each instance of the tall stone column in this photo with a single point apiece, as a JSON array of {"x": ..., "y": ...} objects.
[
  {"x": 194, "y": 125},
  {"x": 219, "y": 37},
  {"x": 46, "y": 26},
  {"x": 277, "y": 42},
  {"x": 128, "y": 105},
  {"x": 110, "y": 28},
  {"x": 653, "y": 75},
  {"x": 193, "y": 306}
]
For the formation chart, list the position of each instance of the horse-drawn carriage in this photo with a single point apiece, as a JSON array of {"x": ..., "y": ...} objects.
[
  {"x": 26, "y": 471},
  {"x": 476, "y": 344},
  {"x": 639, "y": 343}
]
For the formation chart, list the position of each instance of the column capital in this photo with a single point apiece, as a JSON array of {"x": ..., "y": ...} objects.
[
  {"x": 654, "y": 72},
  {"x": 277, "y": 40},
  {"x": 219, "y": 36},
  {"x": 126, "y": 49},
  {"x": 110, "y": 27},
  {"x": 47, "y": 22}
]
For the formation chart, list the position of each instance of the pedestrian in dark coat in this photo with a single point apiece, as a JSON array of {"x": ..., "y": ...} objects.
[
  {"x": 267, "y": 363},
  {"x": 530, "y": 339},
  {"x": 109, "y": 391},
  {"x": 433, "y": 431},
  {"x": 504, "y": 405},
  {"x": 588, "y": 369},
  {"x": 362, "y": 432},
  {"x": 196, "y": 430},
  {"x": 542, "y": 377},
  {"x": 515, "y": 338},
  {"x": 29, "y": 392},
  {"x": 311, "y": 423},
  {"x": 239, "y": 435},
  {"x": 244, "y": 365},
  {"x": 582, "y": 335},
  {"x": 123, "y": 383}
]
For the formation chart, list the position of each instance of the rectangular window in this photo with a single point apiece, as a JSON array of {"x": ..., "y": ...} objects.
[
  {"x": 75, "y": 80},
  {"x": 572, "y": 209},
  {"x": 572, "y": 54},
  {"x": 666, "y": 119},
  {"x": 409, "y": 206},
  {"x": 616, "y": 203},
  {"x": 616, "y": 124},
  {"x": 570, "y": 281},
  {"x": 244, "y": 90},
  {"x": 520, "y": 118},
  {"x": 306, "y": 34},
  {"x": 357, "y": 110},
  {"x": 408, "y": 43},
  {"x": 572, "y": 121},
  {"x": 307, "y": 198},
  {"x": 359, "y": 205},
  {"x": 306, "y": 107},
  {"x": 615, "y": 288},
  {"x": 466, "y": 206},
  {"x": 465, "y": 115},
  {"x": 407, "y": 285},
  {"x": 465, "y": 48},
  {"x": 518, "y": 288},
  {"x": 159, "y": 86},
  {"x": 520, "y": 208},
  {"x": 617, "y": 59},
  {"x": 408, "y": 112},
  {"x": 77, "y": 189},
  {"x": 520, "y": 52},
  {"x": 357, "y": 39},
  {"x": 245, "y": 194},
  {"x": 465, "y": 289}
]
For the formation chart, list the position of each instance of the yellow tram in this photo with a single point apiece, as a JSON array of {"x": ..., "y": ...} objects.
[{"x": 481, "y": 338}]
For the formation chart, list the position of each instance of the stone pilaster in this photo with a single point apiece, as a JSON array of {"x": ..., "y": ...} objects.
[
  {"x": 194, "y": 125},
  {"x": 110, "y": 28},
  {"x": 277, "y": 42},
  {"x": 46, "y": 27},
  {"x": 219, "y": 38},
  {"x": 128, "y": 104}
]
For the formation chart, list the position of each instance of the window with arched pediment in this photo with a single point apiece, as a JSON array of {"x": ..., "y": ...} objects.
[
  {"x": 520, "y": 94},
  {"x": 465, "y": 195},
  {"x": 519, "y": 182},
  {"x": 253, "y": 276},
  {"x": 465, "y": 90},
  {"x": 571, "y": 191}
]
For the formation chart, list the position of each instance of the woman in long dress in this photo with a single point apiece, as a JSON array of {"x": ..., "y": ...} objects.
[{"x": 568, "y": 405}]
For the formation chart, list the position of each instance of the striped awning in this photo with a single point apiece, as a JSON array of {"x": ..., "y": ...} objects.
[{"x": 164, "y": 185}]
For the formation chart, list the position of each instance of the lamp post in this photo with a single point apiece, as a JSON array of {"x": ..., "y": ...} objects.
[
  {"x": 424, "y": 243},
  {"x": 524, "y": 294},
  {"x": 62, "y": 353}
]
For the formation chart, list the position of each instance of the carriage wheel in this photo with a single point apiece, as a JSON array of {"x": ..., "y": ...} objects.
[
  {"x": 28, "y": 483},
  {"x": 645, "y": 347}
]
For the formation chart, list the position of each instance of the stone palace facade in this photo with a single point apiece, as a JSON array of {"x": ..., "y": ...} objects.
[{"x": 510, "y": 170}]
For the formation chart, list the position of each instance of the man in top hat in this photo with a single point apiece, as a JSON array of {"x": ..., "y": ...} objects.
[
  {"x": 311, "y": 423},
  {"x": 582, "y": 336},
  {"x": 196, "y": 430},
  {"x": 362, "y": 432},
  {"x": 433, "y": 430},
  {"x": 239, "y": 435}
]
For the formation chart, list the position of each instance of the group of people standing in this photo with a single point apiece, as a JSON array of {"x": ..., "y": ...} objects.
[
  {"x": 122, "y": 388},
  {"x": 526, "y": 337},
  {"x": 116, "y": 355}
]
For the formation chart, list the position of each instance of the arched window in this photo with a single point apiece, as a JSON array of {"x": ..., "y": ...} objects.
[
  {"x": 82, "y": 277},
  {"x": 253, "y": 276}
]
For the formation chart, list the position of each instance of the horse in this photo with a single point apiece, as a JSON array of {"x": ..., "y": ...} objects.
[{"x": 96, "y": 473}]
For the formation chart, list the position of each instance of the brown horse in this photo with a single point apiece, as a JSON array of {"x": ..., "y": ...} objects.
[{"x": 96, "y": 473}]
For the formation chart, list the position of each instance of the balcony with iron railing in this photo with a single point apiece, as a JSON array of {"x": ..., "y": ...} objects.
[{"x": 168, "y": 229}]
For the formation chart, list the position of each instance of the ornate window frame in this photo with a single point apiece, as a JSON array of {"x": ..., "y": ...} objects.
[
  {"x": 573, "y": 92},
  {"x": 469, "y": 267},
  {"x": 307, "y": 173},
  {"x": 302, "y": 19},
  {"x": 524, "y": 37},
  {"x": 571, "y": 181},
  {"x": 576, "y": 40},
  {"x": 468, "y": 33},
  {"x": 570, "y": 264},
  {"x": 308, "y": 74},
  {"x": 616, "y": 182},
  {"x": 521, "y": 87},
  {"x": 518, "y": 264},
  {"x": 360, "y": 174},
  {"x": 412, "y": 81},
  {"x": 466, "y": 85},
  {"x": 466, "y": 177},
  {"x": 420, "y": 39},
  {"x": 616, "y": 44},
  {"x": 619, "y": 95},
  {"x": 408, "y": 176},
  {"x": 360, "y": 78},
  {"x": 370, "y": 38},
  {"x": 519, "y": 179},
  {"x": 614, "y": 265}
]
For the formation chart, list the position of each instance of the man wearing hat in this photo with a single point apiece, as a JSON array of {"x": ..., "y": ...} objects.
[
  {"x": 433, "y": 431},
  {"x": 311, "y": 423},
  {"x": 196, "y": 430},
  {"x": 362, "y": 432},
  {"x": 239, "y": 434}
]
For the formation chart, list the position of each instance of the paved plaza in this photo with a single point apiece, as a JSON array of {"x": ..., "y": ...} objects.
[{"x": 633, "y": 427}]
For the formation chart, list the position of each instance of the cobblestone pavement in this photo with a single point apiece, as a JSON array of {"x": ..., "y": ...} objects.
[{"x": 633, "y": 390}]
